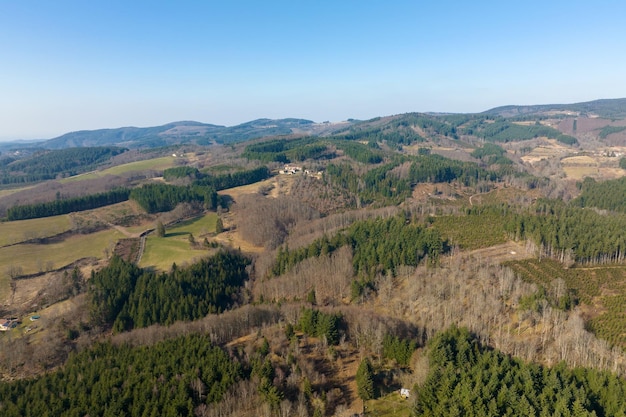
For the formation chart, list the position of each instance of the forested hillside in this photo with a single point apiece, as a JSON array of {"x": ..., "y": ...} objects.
[
  {"x": 46, "y": 165},
  {"x": 475, "y": 261}
]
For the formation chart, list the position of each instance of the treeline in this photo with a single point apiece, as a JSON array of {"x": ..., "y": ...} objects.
[
  {"x": 171, "y": 378},
  {"x": 468, "y": 379},
  {"x": 128, "y": 297},
  {"x": 218, "y": 182},
  {"x": 286, "y": 150},
  {"x": 153, "y": 198},
  {"x": 609, "y": 195},
  {"x": 51, "y": 164},
  {"x": 378, "y": 245},
  {"x": 561, "y": 231},
  {"x": 156, "y": 198},
  {"x": 507, "y": 132},
  {"x": 68, "y": 205},
  {"x": 235, "y": 179}
]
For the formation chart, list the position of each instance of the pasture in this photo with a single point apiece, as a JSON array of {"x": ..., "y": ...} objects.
[
  {"x": 9, "y": 191},
  {"x": 156, "y": 164},
  {"x": 578, "y": 167},
  {"x": 34, "y": 258},
  {"x": 175, "y": 247},
  {"x": 23, "y": 230}
]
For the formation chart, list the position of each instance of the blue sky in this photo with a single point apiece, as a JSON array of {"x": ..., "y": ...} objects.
[{"x": 72, "y": 65}]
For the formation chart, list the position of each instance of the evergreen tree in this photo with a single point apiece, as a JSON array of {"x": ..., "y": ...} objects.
[
  {"x": 365, "y": 380},
  {"x": 160, "y": 229}
]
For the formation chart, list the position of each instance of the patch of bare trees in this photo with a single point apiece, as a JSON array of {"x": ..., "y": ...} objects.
[
  {"x": 485, "y": 299},
  {"x": 329, "y": 276},
  {"x": 267, "y": 221},
  {"x": 324, "y": 197},
  {"x": 220, "y": 327},
  {"x": 51, "y": 190}
]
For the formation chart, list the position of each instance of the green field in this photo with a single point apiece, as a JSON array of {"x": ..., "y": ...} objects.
[
  {"x": 22, "y": 230},
  {"x": 157, "y": 164},
  {"x": 33, "y": 258},
  {"x": 161, "y": 252}
]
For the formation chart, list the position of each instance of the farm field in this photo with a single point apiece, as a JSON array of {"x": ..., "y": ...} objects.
[
  {"x": 149, "y": 164},
  {"x": 128, "y": 213},
  {"x": 34, "y": 258},
  {"x": 22, "y": 230},
  {"x": 161, "y": 252},
  {"x": 542, "y": 152},
  {"x": 578, "y": 167},
  {"x": 9, "y": 191},
  {"x": 580, "y": 172}
]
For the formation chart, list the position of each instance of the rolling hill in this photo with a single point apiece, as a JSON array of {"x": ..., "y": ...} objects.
[
  {"x": 599, "y": 119},
  {"x": 408, "y": 251}
]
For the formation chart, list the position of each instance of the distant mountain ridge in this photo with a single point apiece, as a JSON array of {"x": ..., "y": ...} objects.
[
  {"x": 206, "y": 134},
  {"x": 176, "y": 132},
  {"x": 127, "y": 136},
  {"x": 605, "y": 108}
]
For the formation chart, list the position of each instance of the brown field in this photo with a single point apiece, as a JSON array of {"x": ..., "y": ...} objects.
[
  {"x": 548, "y": 151},
  {"x": 279, "y": 184},
  {"x": 578, "y": 167},
  {"x": 128, "y": 217},
  {"x": 584, "y": 160},
  {"x": 504, "y": 195},
  {"x": 580, "y": 172},
  {"x": 510, "y": 251},
  {"x": 10, "y": 191}
]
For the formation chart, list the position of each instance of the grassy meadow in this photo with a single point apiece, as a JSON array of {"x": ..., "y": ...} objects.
[
  {"x": 158, "y": 164},
  {"x": 33, "y": 258},
  {"x": 22, "y": 230},
  {"x": 161, "y": 252}
]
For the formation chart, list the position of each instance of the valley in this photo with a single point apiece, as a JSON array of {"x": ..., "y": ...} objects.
[{"x": 407, "y": 243}]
